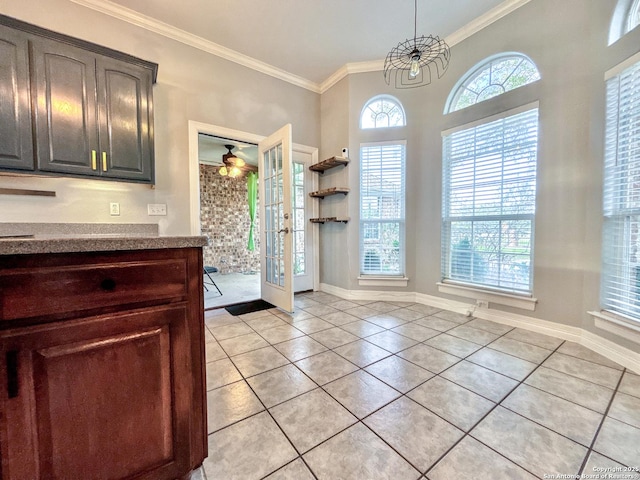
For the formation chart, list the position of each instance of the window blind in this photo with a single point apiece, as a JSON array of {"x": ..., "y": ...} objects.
[
  {"x": 382, "y": 208},
  {"x": 489, "y": 195},
  {"x": 620, "y": 289}
]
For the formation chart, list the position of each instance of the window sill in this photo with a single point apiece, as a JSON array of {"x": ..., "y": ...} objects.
[
  {"x": 491, "y": 296},
  {"x": 617, "y": 325},
  {"x": 382, "y": 281}
]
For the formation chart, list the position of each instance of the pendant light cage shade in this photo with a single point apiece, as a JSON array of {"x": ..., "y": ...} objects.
[{"x": 413, "y": 63}]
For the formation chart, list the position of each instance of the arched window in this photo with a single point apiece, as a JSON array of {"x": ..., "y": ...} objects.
[
  {"x": 633, "y": 19},
  {"x": 382, "y": 111},
  {"x": 490, "y": 78},
  {"x": 626, "y": 17}
]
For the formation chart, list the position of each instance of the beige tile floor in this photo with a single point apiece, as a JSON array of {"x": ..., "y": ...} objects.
[
  {"x": 235, "y": 288},
  {"x": 368, "y": 390}
]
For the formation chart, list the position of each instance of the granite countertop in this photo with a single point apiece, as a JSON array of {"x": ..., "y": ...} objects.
[{"x": 100, "y": 242}]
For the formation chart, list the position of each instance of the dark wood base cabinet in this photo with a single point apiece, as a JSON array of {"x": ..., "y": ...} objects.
[{"x": 102, "y": 365}]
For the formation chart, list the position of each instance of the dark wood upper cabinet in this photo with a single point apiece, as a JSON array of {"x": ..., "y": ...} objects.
[
  {"x": 125, "y": 120},
  {"x": 65, "y": 86},
  {"x": 16, "y": 139},
  {"x": 92, "y": 107}
]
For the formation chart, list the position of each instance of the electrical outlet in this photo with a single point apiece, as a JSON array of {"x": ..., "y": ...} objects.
[
  {"x": 157, "y": 209},
  {"x": 114, "y": 209},
  {"x": 482, "y": 303}
]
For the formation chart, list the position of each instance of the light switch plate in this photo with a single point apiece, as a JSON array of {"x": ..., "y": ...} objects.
[{"x": 114, "y": 209}]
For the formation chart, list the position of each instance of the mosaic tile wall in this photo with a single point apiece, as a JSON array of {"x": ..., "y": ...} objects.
[{"x": 224, "y": 217}]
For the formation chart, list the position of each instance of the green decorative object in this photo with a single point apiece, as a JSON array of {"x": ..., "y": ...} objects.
[{"x": 252, "y": 185}]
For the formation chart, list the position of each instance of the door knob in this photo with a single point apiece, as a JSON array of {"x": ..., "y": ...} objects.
[{"x": 285, "y": 230}]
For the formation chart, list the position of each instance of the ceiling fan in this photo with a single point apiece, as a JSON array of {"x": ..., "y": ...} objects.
[{"x": 234, "y": 166}]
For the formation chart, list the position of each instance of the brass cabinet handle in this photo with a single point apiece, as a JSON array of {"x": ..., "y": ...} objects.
[
  {"x": 94, "y": 162},
  {"x": 104, "y": 161}
]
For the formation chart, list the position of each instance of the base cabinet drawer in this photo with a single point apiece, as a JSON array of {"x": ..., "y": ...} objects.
[{"x": 31, "y": 292}]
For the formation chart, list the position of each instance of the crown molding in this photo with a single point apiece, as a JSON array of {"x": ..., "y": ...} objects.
[
  {"x": 484, "y": 20},
  {"x": 166, "y": 30},
  {"x": 348, "y": 69},
  {"x": 126, "y": 14}
]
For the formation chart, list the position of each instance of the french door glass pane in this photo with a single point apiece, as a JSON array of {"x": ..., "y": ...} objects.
[
  {"x": 274, "y": 253},
  {"x": 298, "y": 219}
]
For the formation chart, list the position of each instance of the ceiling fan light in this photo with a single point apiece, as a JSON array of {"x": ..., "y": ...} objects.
[
  {"x": 234, "y": 172},
  {"x": 239, "y": 162},
  {"x": 223, "y": 171}
]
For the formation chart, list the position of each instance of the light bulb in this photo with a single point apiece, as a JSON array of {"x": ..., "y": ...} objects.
[
  {"x": 240, "y": 163},
  {"x": 234, "y": 172},
  {"x": 223, "y": 171},
  {"x": 414, "y": 71}
]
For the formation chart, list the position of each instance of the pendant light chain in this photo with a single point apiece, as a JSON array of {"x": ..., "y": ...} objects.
[{"x": 415, "y": 20}]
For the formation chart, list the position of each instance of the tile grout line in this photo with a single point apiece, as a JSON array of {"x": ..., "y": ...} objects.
[
  {"x": 361, "y": 420},
  {"x": 430, "y": 411},
  {"x": 270, "y": 414},
  {"x": 371, "y": 413},
  {"x": 497, "y": 404},
  {"x": 391, "y": 354},
  {"x": 566, "y": 399},
  {"x": 363, "y": 369},
  {"x": 604, "y": 417},
  {"x": 299, "y": 455}
]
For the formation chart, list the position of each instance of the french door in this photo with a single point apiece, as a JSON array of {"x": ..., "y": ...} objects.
[{"x": 276, "y": 232}]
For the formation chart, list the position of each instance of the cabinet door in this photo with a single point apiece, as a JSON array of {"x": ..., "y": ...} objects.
[
  {"x": 16, "y": 150},
  {"x": 105, "y": 397},
  {"x": 126, "y": 122},
  {"x": 66, "y": 122}
]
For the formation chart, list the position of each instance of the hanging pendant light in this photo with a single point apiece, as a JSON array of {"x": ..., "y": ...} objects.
[{"x": 412, "y": 62}]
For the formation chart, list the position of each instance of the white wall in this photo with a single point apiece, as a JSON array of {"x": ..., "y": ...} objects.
[
  {"x": 568, "y": 42},
  {"x": 192, "y": 85}
]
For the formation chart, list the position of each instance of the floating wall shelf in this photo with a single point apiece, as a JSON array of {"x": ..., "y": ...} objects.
[
  {"x": 327, "y": 192},
  {"x": 328, "y": 163},
  {"x": 329, "y": 220}
]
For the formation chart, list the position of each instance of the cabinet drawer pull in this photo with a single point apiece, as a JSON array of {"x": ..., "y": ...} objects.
[
  {"x": 13, "y": 386},
  {"x": 104, "y": 161},
  {"x": 94, "y": 160},
  {"x": 108, "y": 284}
]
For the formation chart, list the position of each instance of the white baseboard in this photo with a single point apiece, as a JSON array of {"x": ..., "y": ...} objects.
[
  {"x": 611, "y": 350},
  {"x": 368, "y": 294}
]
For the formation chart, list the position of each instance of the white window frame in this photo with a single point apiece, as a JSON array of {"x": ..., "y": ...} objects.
[
  {"x": 620, "y": 204},
  {"x": 368, "y": 106},
  {"x": 471, "y": 75},
  {"x": 364, "y": 223},
  {"x": 633, "y": 17},
  {"x": 626, "y": 17},
  {"x": 467, "y": 286}
]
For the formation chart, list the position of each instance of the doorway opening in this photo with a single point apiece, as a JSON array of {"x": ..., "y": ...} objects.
[
  {"x": 231, "y": 259},
  {"x": 305, "y": 279}
]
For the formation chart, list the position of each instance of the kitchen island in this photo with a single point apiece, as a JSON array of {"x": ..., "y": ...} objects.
[{"x": 101, "y": 355}]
